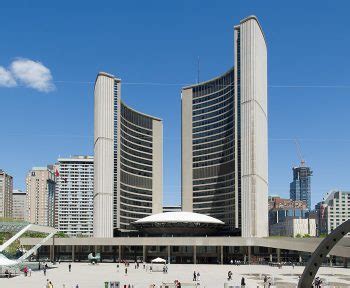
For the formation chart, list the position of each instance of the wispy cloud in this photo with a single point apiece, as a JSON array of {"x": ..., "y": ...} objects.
[
  {"x": 29, "y": 73},
  {"x": 6, "y": 78}
]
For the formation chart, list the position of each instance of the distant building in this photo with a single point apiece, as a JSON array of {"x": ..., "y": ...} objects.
[
  {"x": 280, "y": 209},
  {"x": 19, "y": 205},
  {"x": 300, "y": 188},
  {"x": 40, "y": 189},
  {"x": 293, "y": 227},
  {"x": 333, "y": 210},
  {"x": 6, "y": 194},
  {"x": 75, "y": 195},
  {"x": 175, "y": 208}
]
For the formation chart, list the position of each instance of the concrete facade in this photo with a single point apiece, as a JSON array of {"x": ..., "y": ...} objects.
[
  {"x": 128, "y": 149},
  {"x": 40, "y": 191},
  {"x": 294, "y": 227},
  {"x": 224, "y": 139},
  {"x": 74, "y": 195},
  {"x": 6, "y": 194},
  {"x": 19, "y": 210}
]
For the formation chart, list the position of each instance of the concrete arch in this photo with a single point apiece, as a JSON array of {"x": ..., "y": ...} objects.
[{"x": 321, "y": 253}]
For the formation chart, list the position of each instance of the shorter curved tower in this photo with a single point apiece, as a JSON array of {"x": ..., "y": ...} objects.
[{"x": 128, "y": 147}]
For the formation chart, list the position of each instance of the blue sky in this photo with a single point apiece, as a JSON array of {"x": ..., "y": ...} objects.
[{"x": 159, "y": 41}]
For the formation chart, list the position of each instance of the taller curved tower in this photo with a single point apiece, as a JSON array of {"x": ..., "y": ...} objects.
[
  {"x": 224, "y": 139},
  {"x": 128, "y": 150}
]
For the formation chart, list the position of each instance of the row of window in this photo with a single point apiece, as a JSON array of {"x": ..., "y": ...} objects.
[
  {"x": 212, "y": 99},
  {"x": 213, "y": 138},
  {"x": 223, "y": 121},
  {"x": 136, "y": 118},
  {"x": 134, "y": 171},
  {"x": 223, "y": 141},
  {"x": 213, "y": 150},
  {"x": 135, "y": 165},
  {"x": 135, "y": 159},
  {"x": 207, "y": 120},
  {"x": 135, "y": 152},
  {"x": 135, "y": 140},
  {"x": 215, "y": 186},
  {"x": 212, "y": 108},
  {"x": 130, "y": 125},
  {"x": 213, "y": 156},
  {"x": 213, "y": 162},
  {"x": 135, "y": 134},
  {"x": 228, "y": 125}
]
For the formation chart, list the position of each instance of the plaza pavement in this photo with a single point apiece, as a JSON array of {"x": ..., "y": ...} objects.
[{"x": 212, "y": 276}]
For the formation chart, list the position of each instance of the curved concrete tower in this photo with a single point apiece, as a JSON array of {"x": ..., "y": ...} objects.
[{"x": 224, "y": 139}]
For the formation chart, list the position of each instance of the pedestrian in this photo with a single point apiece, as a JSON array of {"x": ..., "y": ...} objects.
[
  {"x": 47, "y": 283},
  {"x": 25, "y": 271},
  {"x": 194, "y": 276},
  {"x": 229, "y": 276},
  {"x": 231, "y": 261},
  {"x": 198, "y": 277},
  {"x": 70, "y": 267},
  {"x": 126, "y": 271},
  {"x": 242, "y": 282},
  {"x": 50, "y": 284},
  {"x": 77, "y": 286},
  {"x": 44, "y": 269},
  {"x": 30, "y": 271}
]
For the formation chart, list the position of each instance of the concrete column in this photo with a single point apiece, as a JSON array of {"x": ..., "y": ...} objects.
[
  {"x": 345, "y": 262},
  {"x": 169, "y": 256},
  {"x": 73, "y": 253},
  {"x": 195, "y": 254},
  {"x": 278, "y": 250},
  {"x": 249, "y": 254},
  {"x": 51, "y": 253},
  {"x": 120, "y": 252},
  {"x": 144, "y": 253},
  {"x": 222, "y": 255}
]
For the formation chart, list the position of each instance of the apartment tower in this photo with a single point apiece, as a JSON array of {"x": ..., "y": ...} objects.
[
  {"x": 40, "y": 190},
  {"x": 74, "y": 195},
  {"x": 224, "y": 139},
  {"x": 6, "y": 194},
  {"x": 128, "y": 153}
]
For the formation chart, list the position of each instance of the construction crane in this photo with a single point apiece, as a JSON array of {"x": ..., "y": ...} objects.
[{"x": 297, "y": 144}]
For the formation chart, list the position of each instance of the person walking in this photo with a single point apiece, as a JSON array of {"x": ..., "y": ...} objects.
[
  {"x": 44, "y": 269},
  {"x": 70, "y": 267},
  {"x": 242, "y": 282},
  {"x": 198, "y": 276},
  {"x": 229, "y": 276},
  {"x": 194, "y": 276},
  {"x": 30, "y": 271},
  {"x": 126, "y": 271}
]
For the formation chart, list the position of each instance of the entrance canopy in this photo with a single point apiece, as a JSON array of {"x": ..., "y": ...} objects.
[{"x": 158, "y": 260}]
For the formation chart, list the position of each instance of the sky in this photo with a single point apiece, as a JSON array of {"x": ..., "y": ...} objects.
[{"x": 51, "y": 52}]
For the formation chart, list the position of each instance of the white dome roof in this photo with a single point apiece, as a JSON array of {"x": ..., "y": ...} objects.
[{"x": 179, "y": 217}]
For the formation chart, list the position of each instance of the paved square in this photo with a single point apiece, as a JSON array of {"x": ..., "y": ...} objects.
[{"x": 211, "y": 276}]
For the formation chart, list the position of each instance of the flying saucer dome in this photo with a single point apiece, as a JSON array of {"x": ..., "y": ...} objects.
[
  {"x": 179, "y": 217},
  {"x": 178, "y": 223}
]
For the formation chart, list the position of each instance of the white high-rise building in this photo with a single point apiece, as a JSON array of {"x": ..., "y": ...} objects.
[
  {"x": 19, "y": 209},
  {"x": 40, "y": 190},
  {"x": 336, "y": 210},
  {"x": 128, "y": 155},
  {"x": 224, "y": 139},
  {"x": 74, "y": 195},
  {"x": 6, "y": 194}
]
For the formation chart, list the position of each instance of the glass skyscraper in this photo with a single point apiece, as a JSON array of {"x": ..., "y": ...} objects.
[{"x": 300, "y": 188}]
